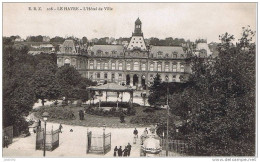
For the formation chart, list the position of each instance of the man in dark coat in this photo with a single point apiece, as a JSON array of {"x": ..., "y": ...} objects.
[
  {"x": 128, "y": 149},
  {"x": 119, "y": 151},
  {"x": 125, "y": 151}
]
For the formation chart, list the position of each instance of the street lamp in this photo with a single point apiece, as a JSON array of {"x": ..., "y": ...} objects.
[
  {"x": 104, "y": 135},
  {"x": 167, "y": 133},
  {"x": 45, "y": 116}
]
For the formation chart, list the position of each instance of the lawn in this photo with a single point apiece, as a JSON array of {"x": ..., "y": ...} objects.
[{"x": 99, "y": 121}]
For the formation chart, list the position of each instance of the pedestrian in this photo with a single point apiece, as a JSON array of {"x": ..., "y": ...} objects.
[
  {"x": 146, "y": 131},
  {"x": 39, "y": 124},
  {"x": 128, "y": 149},
  {"x": 119, "y": 151},
  {"x": 6, "y": 141},
  {"x": 115, "y": 150},
  {"x": 80, "y": 115},
  {"x": 125, "y": 151},
  {"x": 60, "y": 127},
  {"x": 82, "y": 112},
  {"x": 135, "y": 135}
]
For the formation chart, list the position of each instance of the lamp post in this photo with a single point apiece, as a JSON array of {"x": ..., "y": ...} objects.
[
  {"x": 104, "y": 135},
  {"x": 45, "y": 116},
  {"x": 167, "y": 133}
]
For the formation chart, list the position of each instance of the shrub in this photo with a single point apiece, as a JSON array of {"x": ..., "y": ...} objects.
[{"x": 56, "y": 113}]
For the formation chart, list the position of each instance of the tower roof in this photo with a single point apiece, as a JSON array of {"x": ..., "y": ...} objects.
[{"x": 138, "y": 21}]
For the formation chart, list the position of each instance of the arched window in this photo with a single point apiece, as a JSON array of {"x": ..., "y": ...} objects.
[
  {"x": 174, "y": 78},
  {"x": 174, "y": 67},
  {"x": 143, "y": 67},
  {"x": 159, "y": 67},
  {"x": 98, "y": 65},
  {"x": 106, "y": 65},
  {"x": 120, "y": 66},
  {"x": 136, "y": 66},
  {"x": 151, "y": 67},
  {"x": 67, "y": 61},
  {"x": 166, "y": 67},
  {"x": 113, "y": 66},
  {"x": 91, "y": 65},
  {"x": 182, "y": 68},
  {"x": 128, "y": 66}
]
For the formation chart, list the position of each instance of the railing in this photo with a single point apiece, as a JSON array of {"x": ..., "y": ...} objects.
[
  {"x": 52, "y": 140},
  {"x": 175, "y": 147}
]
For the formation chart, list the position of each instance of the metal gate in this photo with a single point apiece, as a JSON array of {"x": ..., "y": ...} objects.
[
  {"x": 99, "y": 144},
  {"x": 175, "y": 147},
  {"x": 52, "y": 140}
]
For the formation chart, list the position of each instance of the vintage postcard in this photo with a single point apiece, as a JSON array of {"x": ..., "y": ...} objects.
[{"x": 129, "y": 80}]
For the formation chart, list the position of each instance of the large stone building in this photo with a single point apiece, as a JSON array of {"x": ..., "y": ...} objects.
[{"x": 135, "y": 64}]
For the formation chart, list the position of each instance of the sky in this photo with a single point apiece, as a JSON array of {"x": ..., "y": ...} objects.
[{"x": 178, "y": 20}]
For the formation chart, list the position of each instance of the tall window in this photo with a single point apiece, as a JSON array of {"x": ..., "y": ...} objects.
[
  {"x": 174, "y": 78},
  {"x": 67, "y": 62},
  {"x": 151, "y": 67},
  {"x": 91, "y": 65},
  {"x": 105, "y": 75},
  {"x": 159, "y": 54},
  {"x": 98, "y": 65},
  {"x": 120, "y": 76},
  {"x": 174, "y": 67},
  {"x": 98, "y": 75},
  {"x": 136, "y": 66},
  {"x": 167, "y": 67},
  {"x": 120, "y": 66},
  {"x": 143, "y": 67},
  {"x": 159, "y": 67},
  {"x": 128, "y": 66},
  {"x": 106, "y": 65},
  {"x": 182, "y": 68},
  {"x": 113, "y": 66}
]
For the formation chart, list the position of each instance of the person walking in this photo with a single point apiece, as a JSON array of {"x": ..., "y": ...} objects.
[
  {"x": 135, "y": 135},
  {"x": 115, "y": 151},
  {"x": 60, "y": 127},
  {"x": 125, "y": 151},
  {"x": 128, "y": 149},
  {"x": 6, "y": 141},
  {"x": 119, "y": 151},
  {"x": 39, "y": 124}
]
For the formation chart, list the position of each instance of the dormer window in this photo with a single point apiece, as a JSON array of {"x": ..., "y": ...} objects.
[
  {"x": 113, "y": 52},
  {"x": 99, "y": 52},
  {"x": 159, "y": 54}
]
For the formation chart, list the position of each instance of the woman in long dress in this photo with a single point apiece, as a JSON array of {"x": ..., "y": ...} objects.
[{"x": 115, "y": 151}]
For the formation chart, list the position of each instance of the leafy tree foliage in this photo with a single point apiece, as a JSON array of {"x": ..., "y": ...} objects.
[
  {"x": 18, "y": 95},
  {"x": 221, "y": 100},
  {"x": 45, "y": 83}
]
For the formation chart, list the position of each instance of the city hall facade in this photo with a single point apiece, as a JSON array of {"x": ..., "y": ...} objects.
[{"x": 135, "y": 64}]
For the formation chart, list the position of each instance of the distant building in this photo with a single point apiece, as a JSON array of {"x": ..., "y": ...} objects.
[
  {"x": 131, "y": 63},
  {"x": 46, "y": 39},
  {"x": 202, "y": 50}
]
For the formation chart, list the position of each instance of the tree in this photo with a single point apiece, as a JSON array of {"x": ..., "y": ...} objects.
[
  {"x": 18, "y": 95},
  {"x": 221, "y": 100},
  {"x": 45, "y": 83}
]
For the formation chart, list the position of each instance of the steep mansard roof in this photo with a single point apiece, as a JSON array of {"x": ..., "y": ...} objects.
[
  {"x": 170, "y": 50},
  {"x": 107, "y": 48}
]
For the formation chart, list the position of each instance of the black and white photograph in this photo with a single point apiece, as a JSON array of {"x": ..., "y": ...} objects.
[{"x": 129, "y": 80}]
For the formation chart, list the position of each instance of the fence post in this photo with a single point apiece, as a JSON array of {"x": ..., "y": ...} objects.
[{"x": 104, "y": 143}]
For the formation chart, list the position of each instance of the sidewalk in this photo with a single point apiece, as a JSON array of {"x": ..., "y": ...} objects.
[{"x": 73, "y": 144}]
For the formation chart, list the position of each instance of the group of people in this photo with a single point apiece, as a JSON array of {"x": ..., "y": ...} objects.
[{"x": 122, "y": 152}]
